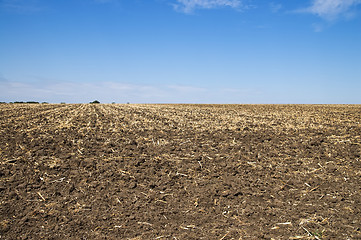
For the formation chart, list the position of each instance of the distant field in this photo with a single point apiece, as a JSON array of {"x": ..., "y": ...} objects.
[{"x": 98, "y": 171}]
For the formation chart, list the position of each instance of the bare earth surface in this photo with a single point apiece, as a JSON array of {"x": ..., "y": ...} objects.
[{"x": 180, "y": 171}]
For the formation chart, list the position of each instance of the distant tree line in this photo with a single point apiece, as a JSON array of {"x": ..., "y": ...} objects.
[
  {"x": 21, "y": 102},
  {"x": 28, "y": 102},
  {"x": 34, "y": 102}
]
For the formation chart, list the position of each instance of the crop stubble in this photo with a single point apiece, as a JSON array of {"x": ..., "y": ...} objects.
[{"x": 97, "y": 171}]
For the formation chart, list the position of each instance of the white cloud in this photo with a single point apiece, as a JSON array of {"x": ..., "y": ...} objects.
[
  {"x": 189, "y": 6},
  {"x": 55, "y": 91},
  {"x": 318, "y": 27},
  {"x": 275, "y": 7},
  {"x": 186, "y": 89},
  {"x": 21, "y": 6},
  {"x": 331, "y": 9},
  {"x": 50, "y": 90}
]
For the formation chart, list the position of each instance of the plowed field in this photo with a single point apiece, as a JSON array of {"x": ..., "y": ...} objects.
[{"x": 97, "y": 171}]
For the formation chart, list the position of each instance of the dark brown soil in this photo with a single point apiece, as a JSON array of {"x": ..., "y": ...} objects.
[{"x": 96, "y": 171}]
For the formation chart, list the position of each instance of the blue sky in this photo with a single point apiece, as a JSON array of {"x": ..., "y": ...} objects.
[{"x": 181, "y": 51}]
